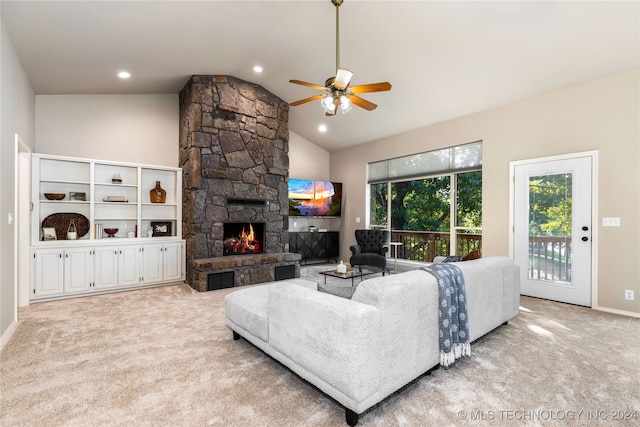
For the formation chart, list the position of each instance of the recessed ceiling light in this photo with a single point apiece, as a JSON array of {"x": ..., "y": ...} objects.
[
  {"x": 322, "y": 128},
  {"x": 258, "y": 68},
  {"x": 124, "y": 74}
]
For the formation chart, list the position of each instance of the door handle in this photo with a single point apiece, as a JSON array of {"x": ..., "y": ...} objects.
[
  {"x": 585, "y": 228},
  {"x": 585, "y": 238}
]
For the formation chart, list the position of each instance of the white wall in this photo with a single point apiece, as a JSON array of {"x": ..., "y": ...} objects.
[
  {"x": 17, "y": 112},
  {"x": 307, "y": 160},
  {"x": 126, "y": 128},
  {"x": 602, "y": 115}
]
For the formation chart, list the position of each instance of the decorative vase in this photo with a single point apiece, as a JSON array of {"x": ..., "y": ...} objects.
[
  {"x": 157, "y": 194},
  {"x": 72, "y": 232}
]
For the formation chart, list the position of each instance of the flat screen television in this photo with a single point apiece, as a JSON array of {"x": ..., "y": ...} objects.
[{"x": 315, "y": 198}]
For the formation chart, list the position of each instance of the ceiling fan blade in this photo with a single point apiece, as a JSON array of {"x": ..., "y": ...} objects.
[
  {"x": 343, "y": 77},
  {"x": 304, "y": 101},
  {"x": 373, "y": 87},
  {"x": 363, "y": 103},
  {"x": 315, "y": 86}
]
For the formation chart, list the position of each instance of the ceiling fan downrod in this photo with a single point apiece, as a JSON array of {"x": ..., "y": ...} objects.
[{"x": 337, "y": 4}]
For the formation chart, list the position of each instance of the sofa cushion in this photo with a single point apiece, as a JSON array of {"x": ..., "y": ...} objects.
[
  {"x": 343, "y": 291},
  {"x": 471, "y": 256},
  {"x": 248, "y": 309},
  {"x": 335, "y": 339}
]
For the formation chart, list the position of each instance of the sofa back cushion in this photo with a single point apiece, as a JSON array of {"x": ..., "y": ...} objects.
[
  {"x": 408, "y": 304},
  {"x": 493, "y": 292}
]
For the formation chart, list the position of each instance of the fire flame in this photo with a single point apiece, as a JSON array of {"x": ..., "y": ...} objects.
[
  {"x": 250, "y": 237},
  {"x": 244, "y": 243}
]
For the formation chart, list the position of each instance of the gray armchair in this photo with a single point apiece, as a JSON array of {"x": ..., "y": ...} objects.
[{"x": 371, "y": 248}]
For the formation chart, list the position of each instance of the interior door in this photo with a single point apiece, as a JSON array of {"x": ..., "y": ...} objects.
[{"x": 552, "y": 228}]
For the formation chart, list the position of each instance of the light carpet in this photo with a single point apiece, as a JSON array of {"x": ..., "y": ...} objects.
[{"x": 165, "y": 357}]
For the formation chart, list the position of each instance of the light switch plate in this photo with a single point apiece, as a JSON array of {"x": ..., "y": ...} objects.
[{"x": 611, "y": 222}]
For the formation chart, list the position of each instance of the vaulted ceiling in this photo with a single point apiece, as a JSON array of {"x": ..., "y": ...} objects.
[{"x": 444, "y": 59}]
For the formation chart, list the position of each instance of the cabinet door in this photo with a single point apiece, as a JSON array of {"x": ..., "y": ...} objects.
[
  {"x": 106, "y": 267},
  {"x": 333, "y": 244},
  {"x": 152, "y": 263},
  {"x": 49, "y": 267},
  {"x": 78, "y": 269},
  {"x": 172, "y": 258},
  {"x": 319, "y": 246},
  {"x": 129, "y": 265}
]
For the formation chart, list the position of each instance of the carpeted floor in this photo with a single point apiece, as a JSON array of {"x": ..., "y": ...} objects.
[{"x": 164, "y": 357}]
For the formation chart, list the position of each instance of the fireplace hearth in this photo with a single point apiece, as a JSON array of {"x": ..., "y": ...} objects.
[{"x": 243, "y": 238}]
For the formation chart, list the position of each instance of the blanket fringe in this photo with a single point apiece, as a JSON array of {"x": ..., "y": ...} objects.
[{"x": 458, "y": 351}]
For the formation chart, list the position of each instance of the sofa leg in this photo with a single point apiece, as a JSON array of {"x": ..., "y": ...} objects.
[
  {"x": 236, "y": 336},
  {"x": 352, "y": 417},
  {"x": 505, "y": 323}
]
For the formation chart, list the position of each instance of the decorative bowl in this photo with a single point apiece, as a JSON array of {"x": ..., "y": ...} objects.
[
  {"x": 111, "y": 232},
  {"x": 54, "y": 196}
]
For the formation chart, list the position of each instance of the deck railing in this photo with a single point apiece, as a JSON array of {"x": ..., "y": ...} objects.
[
  {"x": 426, "y": 245},
  {"x": 549, "y": 258}
]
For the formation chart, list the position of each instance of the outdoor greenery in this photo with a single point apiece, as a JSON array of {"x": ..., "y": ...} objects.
[
  {"x": 550, "y": 201},
  {"x": 423, "y": 204}
]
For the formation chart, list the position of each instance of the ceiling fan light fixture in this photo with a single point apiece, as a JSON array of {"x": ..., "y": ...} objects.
[
  {"x": 327, "y": 104},
  {"x": 345, "y": 104}
]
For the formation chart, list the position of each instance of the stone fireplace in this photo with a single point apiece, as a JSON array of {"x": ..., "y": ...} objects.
[{"x": 234, "y": 152}]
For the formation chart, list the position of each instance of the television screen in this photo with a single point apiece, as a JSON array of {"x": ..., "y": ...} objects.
[{"x": 315, "y": 198}]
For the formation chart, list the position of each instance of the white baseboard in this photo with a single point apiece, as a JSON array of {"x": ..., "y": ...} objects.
[
  {"x": 8, "y": 334},
  {"x": 616, "y": 311}
]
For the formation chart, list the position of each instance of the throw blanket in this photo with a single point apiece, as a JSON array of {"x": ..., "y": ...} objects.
[{"x": 454, "y": 327}]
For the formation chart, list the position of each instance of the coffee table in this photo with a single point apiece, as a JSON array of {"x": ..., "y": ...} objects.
[{"x": 355, "y": 272}]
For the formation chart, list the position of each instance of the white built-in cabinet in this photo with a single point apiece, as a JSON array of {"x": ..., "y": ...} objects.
[
  {"x": 94, "y": 262},
  {"x": 162, "y": 262}
]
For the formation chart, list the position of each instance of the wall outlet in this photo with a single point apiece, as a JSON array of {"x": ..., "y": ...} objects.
[
  {"x": 357, "y": 220},
  {"x": 629, "y": 295},
  {"x": 611, "y": 222}
]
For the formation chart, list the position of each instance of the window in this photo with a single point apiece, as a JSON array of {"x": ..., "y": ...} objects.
[{"x": 437, "y": 214}]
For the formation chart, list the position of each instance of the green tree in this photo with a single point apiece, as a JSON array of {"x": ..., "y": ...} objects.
[
  {"x": 423, "y": 204},
  {"x": 469, "y": 199},
  {"x": 550, "y": 205}
]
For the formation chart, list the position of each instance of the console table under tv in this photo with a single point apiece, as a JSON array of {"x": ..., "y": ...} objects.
[{"x": 315, "y": 245}]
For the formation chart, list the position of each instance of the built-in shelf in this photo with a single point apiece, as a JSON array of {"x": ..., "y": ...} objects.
[{"x": 91, "y": 180}]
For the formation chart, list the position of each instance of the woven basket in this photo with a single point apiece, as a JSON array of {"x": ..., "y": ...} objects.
[{"x": 61, "y": 221}]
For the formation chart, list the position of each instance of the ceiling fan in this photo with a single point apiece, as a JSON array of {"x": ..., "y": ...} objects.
[{"x": 337, "y": 91}]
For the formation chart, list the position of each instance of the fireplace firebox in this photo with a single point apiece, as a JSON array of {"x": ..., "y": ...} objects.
[{"x": 243, "y": 238}]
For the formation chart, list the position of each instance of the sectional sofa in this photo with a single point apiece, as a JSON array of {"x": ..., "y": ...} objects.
[{"x": 360, "y": 350}]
